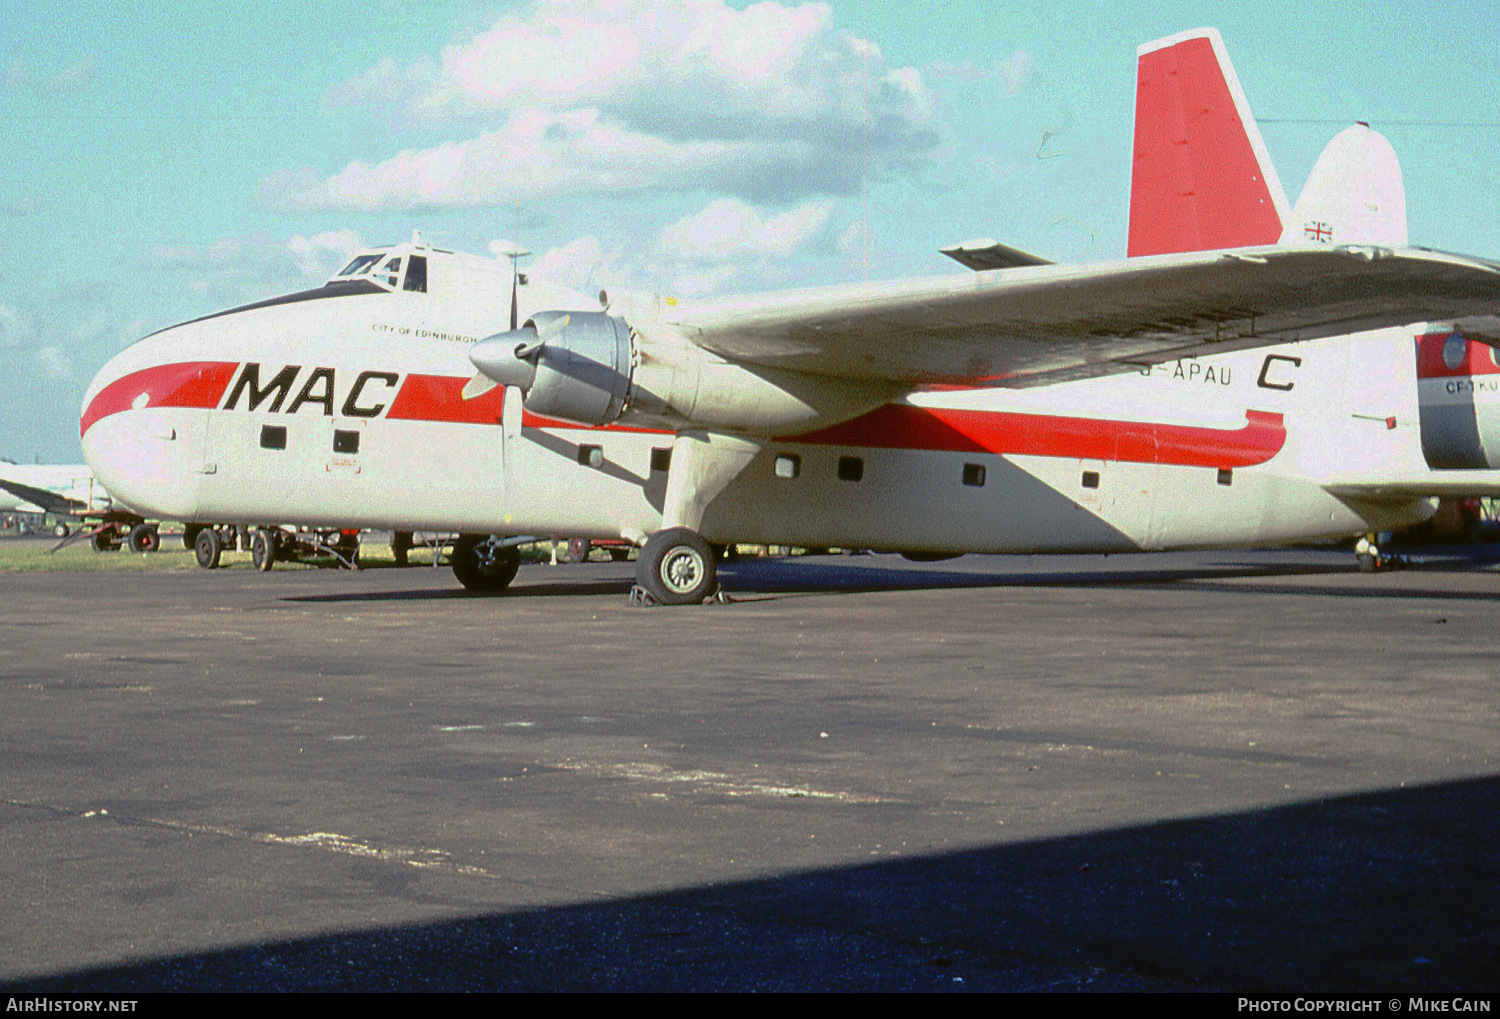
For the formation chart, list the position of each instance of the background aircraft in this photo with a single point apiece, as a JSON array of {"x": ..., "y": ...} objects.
[{"x": 61, "y": 490}]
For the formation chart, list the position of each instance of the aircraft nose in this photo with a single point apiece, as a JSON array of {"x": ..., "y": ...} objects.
[{"x": 143, "y": 424}]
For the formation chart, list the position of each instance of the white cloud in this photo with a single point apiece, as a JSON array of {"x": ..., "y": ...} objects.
[
  {"x": 592, "y": 96},
  {"x": 232, "y": 270},
  {"x": 729, "y": 229},
  {"x": 14, "y": 327},
  {"x": 579, "y": 263},
  {"x": 1016, "y": 71},
  {"x": 322, "y": 255},
  {"x": 54, "y": 362}
]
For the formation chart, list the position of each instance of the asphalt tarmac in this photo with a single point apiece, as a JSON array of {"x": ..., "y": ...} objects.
[{"x": 1234, "y": 771}]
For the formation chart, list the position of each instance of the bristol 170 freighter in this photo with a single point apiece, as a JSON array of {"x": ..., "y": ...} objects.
[{"x": 1251, "y": 372}]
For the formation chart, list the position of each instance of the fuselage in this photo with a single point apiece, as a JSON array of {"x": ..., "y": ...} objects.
[{"x": 344, "y": 407}]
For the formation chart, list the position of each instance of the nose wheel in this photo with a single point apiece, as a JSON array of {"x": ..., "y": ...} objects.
[{"x": 676, "y": 567}]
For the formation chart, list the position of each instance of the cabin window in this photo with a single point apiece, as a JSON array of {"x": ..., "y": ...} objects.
[
  {"x": 1226, "y": 476},
  {"x": 788, "y": 465},
  {"x": 851, "y": 468},
  {"x": 1090, "y": 479},
  {"x": 661, "y": 459},
  {"x": 416, "y": 275},
  {"x": 273, "y": 437},
  {"x": 345, "y": 442},
  {"x": 974, "y": 475}
]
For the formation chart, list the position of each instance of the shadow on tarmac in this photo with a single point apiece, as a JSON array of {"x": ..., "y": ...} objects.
[
  {"x": 1386, "y": 892},
  {"x": 750, "y": 579}
]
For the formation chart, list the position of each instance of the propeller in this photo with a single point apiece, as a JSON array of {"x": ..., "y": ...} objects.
[{"x": 510, "y": 358}]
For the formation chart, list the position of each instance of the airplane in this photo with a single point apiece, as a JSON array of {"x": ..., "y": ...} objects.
[
  {"x": 66, "y": 490},
  {"x": 1251, "y": 372}
]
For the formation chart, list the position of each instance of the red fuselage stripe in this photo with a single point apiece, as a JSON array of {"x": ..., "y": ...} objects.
[
  {"x": 900, "y": 426},
  {"x": 189, "y": 384},
  {"x": 893, "y": 426}
]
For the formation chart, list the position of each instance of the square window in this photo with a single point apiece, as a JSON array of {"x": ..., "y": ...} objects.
[
  {"x": 345, "y": 442},
  {"x": 1226, "y": 476},
  {"x": 661, "y": 459},
  {"x": 851, "y": 468},
  {"x": 788, "y": 465},
  {"x": 273, "y": 437},
  {"x": 1090, "y": 479},
  {"x": 974, "y": 475}
]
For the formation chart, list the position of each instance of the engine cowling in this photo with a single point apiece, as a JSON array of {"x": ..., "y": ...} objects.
[
  {"x": 593, "y": 369},
  {"x": 570, "y": 365}
]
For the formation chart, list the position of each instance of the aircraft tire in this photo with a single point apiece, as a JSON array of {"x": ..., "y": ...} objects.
[
  {"x": 676, "y": 566},
  {"x": 144, "y": 538},
  {"x": 105, "y": 541},
  {"x": 263, "y": 550},
  {"x": 190, "y": 535},
  {"x": 578, "y": 550},
  {"x": 61, "y": 530},
  {"x": 480, "y": 567},
  {"x": 207, "y": 548}
]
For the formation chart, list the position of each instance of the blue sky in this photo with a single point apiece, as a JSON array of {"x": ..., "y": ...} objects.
[{"x": 164, "y": 161}]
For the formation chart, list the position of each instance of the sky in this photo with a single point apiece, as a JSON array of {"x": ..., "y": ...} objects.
[{"x": 162, "y": 161}]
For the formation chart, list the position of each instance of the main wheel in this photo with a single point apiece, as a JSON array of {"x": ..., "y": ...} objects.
[
  {"x": 206, "y": 548},
  {"x": 482, "y": 565},
  {"x": 60, "y": 530},
  {"x": 106, "y": 540},
  {"x": 263, "y": 550},
  {"x": 677, "y": 567},
  {"x": 578, "y": 550},
  {"x": 190, "y": 535},
  {"x": 144, "y": 538}
]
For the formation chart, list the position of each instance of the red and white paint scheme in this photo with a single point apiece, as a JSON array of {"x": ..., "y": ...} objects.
[{"x": 1207, "y": 391}]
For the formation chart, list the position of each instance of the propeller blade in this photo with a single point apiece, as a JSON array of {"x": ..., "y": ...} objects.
[
  {"x": 510, "y": 412},
  {"x": 543, "y": 334},
  {"x": 478, "y": 386}
]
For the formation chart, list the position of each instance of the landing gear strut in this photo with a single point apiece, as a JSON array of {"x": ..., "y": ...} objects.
[{"x": 676, "y": 567}]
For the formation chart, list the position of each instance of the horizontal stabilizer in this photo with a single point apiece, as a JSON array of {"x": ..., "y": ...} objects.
[{"x": 984, "y": 254}]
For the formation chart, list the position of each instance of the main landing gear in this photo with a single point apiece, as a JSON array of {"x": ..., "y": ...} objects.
[
  {"x": 1372, "y": 559},
  {"x": 675, "y": 567}
]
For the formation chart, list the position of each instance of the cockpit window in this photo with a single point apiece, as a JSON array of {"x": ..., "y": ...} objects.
[
  {"x": 416, "y": 275},
  {"x": 360, "y": 265},
  {"x": 390, "y": 272}
]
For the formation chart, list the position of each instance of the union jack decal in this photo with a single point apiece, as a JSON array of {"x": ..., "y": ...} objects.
[{"x": 1317, "y": 231}]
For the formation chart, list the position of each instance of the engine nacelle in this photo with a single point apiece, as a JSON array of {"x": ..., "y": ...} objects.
[
  {"x": 583, "y": 369},
  {"x": 570, "y": 365},
  {"x": 593, "y": 369}
]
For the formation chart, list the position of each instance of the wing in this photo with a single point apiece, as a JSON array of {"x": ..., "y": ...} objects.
[
  {"x": 1037, "y": 325},
  {"x": 47, "y": 502}
]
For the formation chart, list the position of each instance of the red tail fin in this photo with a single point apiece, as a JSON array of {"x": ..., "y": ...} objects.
[{"x": 1201, "y": 177}]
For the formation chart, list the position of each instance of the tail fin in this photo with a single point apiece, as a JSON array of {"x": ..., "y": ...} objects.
[
  {"x": 1201, "y": 177},
  {"x": 1354, "y": 194}
]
